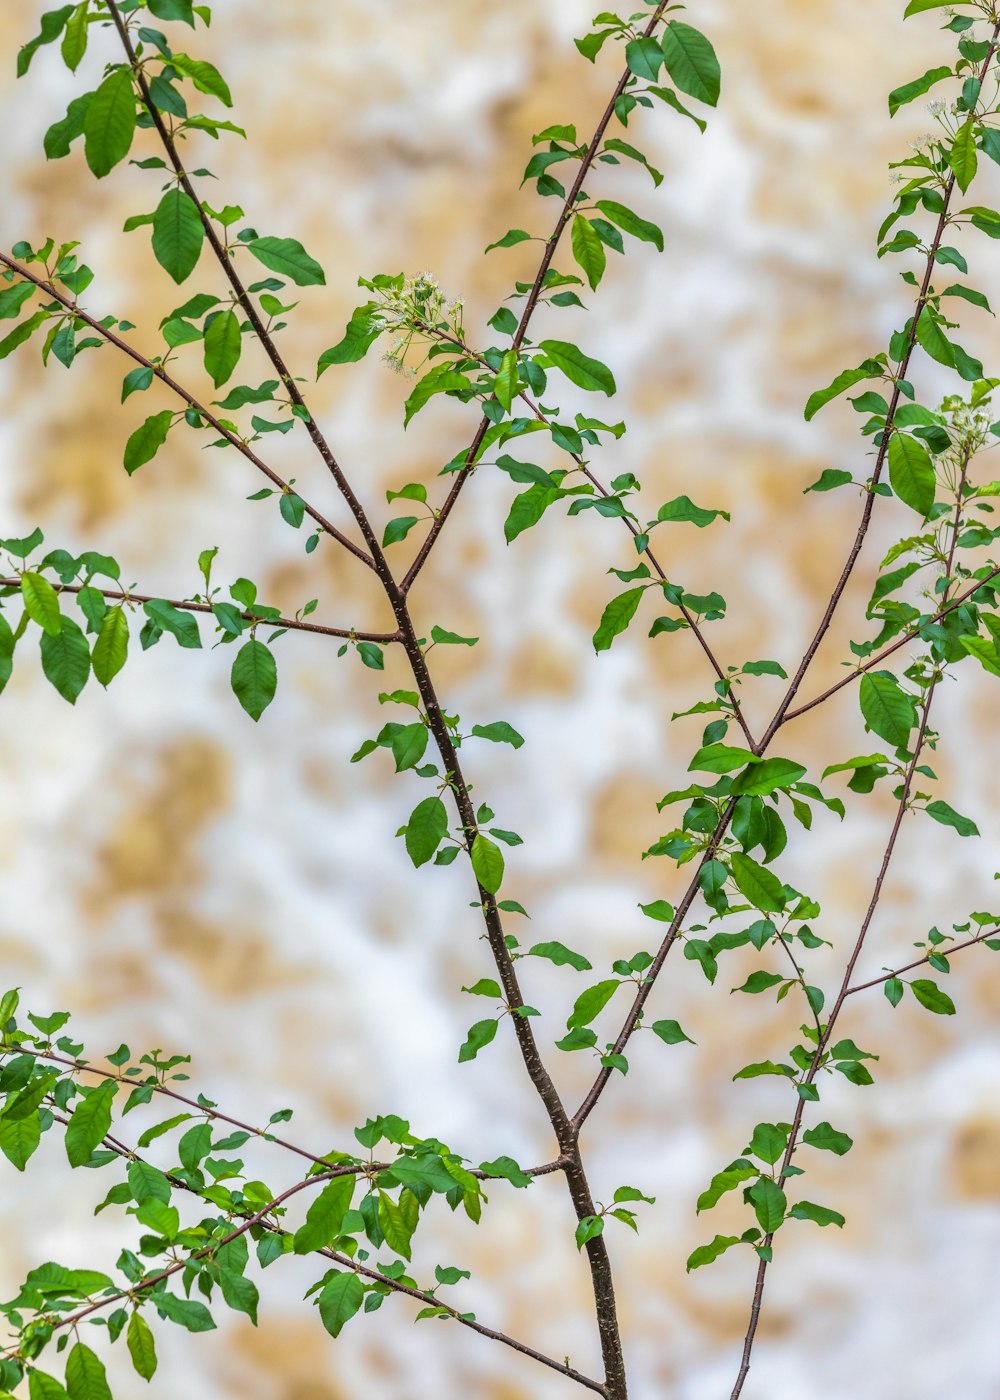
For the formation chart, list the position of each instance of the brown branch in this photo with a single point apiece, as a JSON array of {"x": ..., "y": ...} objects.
[
  {"x": 160, "y": 373},
  {"x": 551, "y": 245},
  {"x": 225, "y": 261},
  {"x": 419, "y": 1295},
  {"x": 825, "y": 1038},
  {"x": 901, "y": 373},
  {"x": 907, "y": 636},
  {"x": 782, "y": 712},
  {"x": 143, "y": 1285},
  {"x": 944, "y": 951},
  {"x": 633, "y": 529},
  {"x": 290, "y": 623}
]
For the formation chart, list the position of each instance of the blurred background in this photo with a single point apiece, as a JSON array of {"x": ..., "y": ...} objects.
[{"x": 179, "y": 877}]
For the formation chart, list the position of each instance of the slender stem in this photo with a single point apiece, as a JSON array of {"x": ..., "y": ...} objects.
[
  {"x": 419, "y": 1295},
  {"x": 291, "y": 624},
  {"x": 890, "y": 423},
  {"x": 552, "y": 243},
  {"x": 224, "y": 258},
  {"x": 783, "y": 711},
  {"x": 565, "y": 1130},
  {"x": 72, "y": 1319},
  {"x": 630, "y": 525},
  {"x": 943, "y": 951},
  {"x": 910, "y": 635},
  {"x": 825, "y": 1038},
  {"x": 161, "y": 374},
  {"x": 634, "y": 1017}
]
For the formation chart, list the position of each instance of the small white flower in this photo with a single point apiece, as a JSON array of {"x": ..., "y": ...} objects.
[{"x": 936, "y": 107}]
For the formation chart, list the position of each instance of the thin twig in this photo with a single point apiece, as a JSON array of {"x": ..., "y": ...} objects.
[
  {"x": 551, "y": 245},
  {"x": 225, "y": 261},
  {"x": 944, "y": 951},
  {"x": 160, "y": 373},
  {"x": 825, "y": 1038},
  {"x": 291, "y": 624}
]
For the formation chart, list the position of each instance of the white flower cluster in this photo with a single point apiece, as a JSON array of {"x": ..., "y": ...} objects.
[
  {"x": 969, "y": 427},
  {"x": 418, "y": 311}
]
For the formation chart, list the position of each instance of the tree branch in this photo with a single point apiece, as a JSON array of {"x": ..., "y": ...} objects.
[
  {"x": 161, "y": 374},
  {"x": 825, "y": 1038},
  {"x": 529, "y": 308},
  {"x": 291, "y": 624},
  {"x": 242, "y": 295},
  {"x": 942, "y": 951}
]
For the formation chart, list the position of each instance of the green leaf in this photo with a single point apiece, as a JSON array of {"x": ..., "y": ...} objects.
[
  {"x": 53, "y": 24},
  {"x": 487, "y": 862},
  {"x": 109, "y": 125},
  {"x": 22, "y": 333},
  {"x": 13, "y": 299},
  {"x": 588, "y": 1229},
  {"x": 871, "y": 369},
  {"x": 394, "y": 1226},
  {"x": 439, "y": 381},
  {"x": 893, "y": 990},
  {"x": 479, "y": 1036},
  {"x": 44, "y": 1387},
  {"x": 148, "y": 1183},
  {"x": 670, "y": 1033},
  {"x": 902, "y": 95},
  {"x": 141, "y": 1346},
  {"x": 90, "y": 1121},
  {"x": 683, "y": 510},
  {"x": 19, "y": 1138},
  {"x": 205, "y": 77},
  {"x": 644, "y": 57},
  {"x": 933, "y": 339},
  {"x": 559, "y": 954},
  {"x": 911, "y": 473},
  {"x": 86, "y": 1378},
  {"x": 358, "y": 339},
  {"x": 769, "y": 1203},
  {"x": 136, "y": 381},
  {"x": 147, "y": 440},
  {"x": 588, "y": 250},
  {"x": 527, "y": 509},
  {"x": 828, "y": 1139},
  {"x": 111, "y": 647},
  {"x": 288, "y": 257},
  {"x": 578, "y": 368},
  {"x": 691, "y": 62},
  {"x": 819, "y": 1215},
  {"x": 762, "y": 888},
  {"x": 190, "y": 1314},
  {"x": 178, "y": 234},
  {"x": 888, "y": 710},
  {"x": 616, "y": 617},
  {"x": 499, "y": 732},
  {"x": 947, "y": 816},
  {"x": 758, "y": 779},
  {"x": 66, "y": 660},
  {"x": 591, "y": 1003},
  {"x": 507, "y": 1168},
  {"x": 963, "y": 156},
  {"x": 172, "y": 9},
  {"x": 254, "y": 678},
  {"x": 426, "y": 829},
  {"x": 341, "y": 1297},
  {"x": 182, "y": 625},
  {"x": 41, "y": 602},
  {"x": 769, "y": 1141},
  {"x": 930, "y": 996},
  {"x": 223, "y": 343},
  {"x": 325, "y": 1216},
  {"x": 506, "y": 381},
  {"x": 630, "y": 223},
  {"x": 398, "y": 529},
  {"x": 708, "y": 1253}
]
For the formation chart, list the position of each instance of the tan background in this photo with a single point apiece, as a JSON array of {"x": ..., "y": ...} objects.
[{"x": 179, "y": 877}]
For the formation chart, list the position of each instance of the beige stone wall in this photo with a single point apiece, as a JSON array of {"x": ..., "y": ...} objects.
[{"x": 181, "y": 878}]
